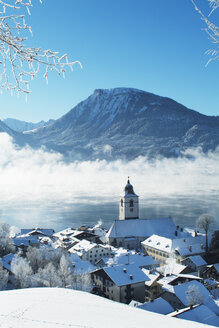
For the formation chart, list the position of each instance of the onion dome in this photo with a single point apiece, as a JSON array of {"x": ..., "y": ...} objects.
[{"x": 129, "y": 189}]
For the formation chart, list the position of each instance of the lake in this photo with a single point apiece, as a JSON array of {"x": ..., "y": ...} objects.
[{"x": 59, "y": 215}]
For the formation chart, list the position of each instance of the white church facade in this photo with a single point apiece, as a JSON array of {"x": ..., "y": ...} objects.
[{"x": 129, "y": 231}]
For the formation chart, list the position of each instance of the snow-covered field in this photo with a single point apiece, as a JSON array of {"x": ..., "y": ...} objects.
[{"x": 57, "y": 307}]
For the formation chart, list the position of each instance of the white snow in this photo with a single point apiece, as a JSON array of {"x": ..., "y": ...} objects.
[
  {"x": 125, "y": 274},
  {"x": 185, "y": 246},
  {"x": 60, "y": 308},
  {"x": 158, "y": 305}
]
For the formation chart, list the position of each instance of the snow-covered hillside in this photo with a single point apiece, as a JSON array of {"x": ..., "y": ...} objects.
[{"x": 56, "y": 307}]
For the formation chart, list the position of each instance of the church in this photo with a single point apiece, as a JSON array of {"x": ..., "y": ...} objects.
[{"x": 129, "y": 231}]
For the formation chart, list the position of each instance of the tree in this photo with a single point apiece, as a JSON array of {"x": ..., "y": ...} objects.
[
  {"x": 82, "y": 281},
  {"x": 211, "y": 29},
  {"x": 65, "y": 272},
  {"x": 22, "y": 271},
  {"x": 20, "y": 64},
  {"x": 215, "y": 241},
  {"x": 204, "y": 222},
  {"x": 6, "y": 244},
  {"x": 194, "y": 296},
  {"x": 49, "y": 276},
  {"x": 3, "y": 278},
  {"x": 35, "y": 258}
]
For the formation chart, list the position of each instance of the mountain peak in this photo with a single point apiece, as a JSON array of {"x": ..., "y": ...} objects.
[
  {"x": 117, "y": 91},
  {"x": 131, "y": 122}
]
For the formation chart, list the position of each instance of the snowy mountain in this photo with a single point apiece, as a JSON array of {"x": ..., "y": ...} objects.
[
  {"x": 21, "y": 126},
  {"x": 126, "y": 123},
  {"x": 58, "y": 307}
]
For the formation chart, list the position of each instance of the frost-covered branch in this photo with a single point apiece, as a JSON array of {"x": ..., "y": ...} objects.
[
  {"x": 211, "y": 29},
  {"x": 20, "y": 64}
]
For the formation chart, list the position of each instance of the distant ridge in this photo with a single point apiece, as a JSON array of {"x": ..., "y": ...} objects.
[
  {"x": 21, "y": 126},
  {"x": 126, "y": 123}
]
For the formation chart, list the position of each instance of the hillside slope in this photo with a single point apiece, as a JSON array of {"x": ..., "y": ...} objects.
[{"x": 57, "y": 307}]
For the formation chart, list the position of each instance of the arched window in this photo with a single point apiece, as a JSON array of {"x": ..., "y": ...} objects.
[
  {"x": 131, "y": 203},
  {"x": 121, "y": 202}
]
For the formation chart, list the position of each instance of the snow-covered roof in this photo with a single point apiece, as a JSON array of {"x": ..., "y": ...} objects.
[
  {"x": 216, "y": 266},
  {"x": 197, "y": 260},
  {"x": 132, "y": 257},
  {"x": 181, "y": 292},
  {"x": 26, "y": 241},
  {"x": 152, "y": 275},
  {"x": 172, "y": 267},
  {"x": 159, "y": 305},
  {"x": 47, "y": 232},
  {"x": 6, "y": 261},
  {"x": 40, "y": 307},
  {"x": 69, "y": 232},
  {"x": 164, "y": 281},
  {"x": 123, "y": 275},
  {"x": 184, "y": 246},
  {"x": 200, "y": 313},
  {"x": 142, "y": 228},
  {"x": 171, "y": 278},
  {"x": 85, "y": 246},
  {"x": 79, "y": 266}
]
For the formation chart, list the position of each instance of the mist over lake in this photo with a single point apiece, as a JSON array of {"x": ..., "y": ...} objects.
[
  {"x": 38, "y": 189},
  {"x": 184, "y": 211}
]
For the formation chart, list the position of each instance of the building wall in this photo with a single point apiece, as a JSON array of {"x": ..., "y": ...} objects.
[
  {"x": 152, "y": 292},
  {"x": 96, "y": 253},
  {"x": 156, "y": 254},
  {"x": 128, "y": 208},
  {"x": 123, "y": 294},
  {"x": 162, "y": 256},
  {"x": 133, "y": 243},
  {"x": 109, "y": 289},
  {"x": 133, "y": 292}
]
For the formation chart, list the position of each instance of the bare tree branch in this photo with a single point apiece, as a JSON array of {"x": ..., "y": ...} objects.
[
  {"x": 212, "y": 30},
  {"x": 20, "y": 64}
]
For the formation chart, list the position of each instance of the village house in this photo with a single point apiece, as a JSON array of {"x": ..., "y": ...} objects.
[
  {"x": 195, "y": 262},
  {"x": 91, "y": 252},
  {"x": 123, "y": 256},
  {"x": 161, "y": 248},
  {"x": 37, "y": 232},
  {"x": 192, "y": 292},
  {"x": 211, "y": 271},
  {"x": 121, "y": 283},
  {"x": 32, "y": 237},
  {"x": 152, "y": 288},
  {"x": 79, "y": 233}
]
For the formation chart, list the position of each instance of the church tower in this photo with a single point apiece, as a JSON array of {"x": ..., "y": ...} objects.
[{"x": 128, "y": 208}]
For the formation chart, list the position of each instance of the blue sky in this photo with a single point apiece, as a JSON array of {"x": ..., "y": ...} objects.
[{"x": 157, "y": 46}]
